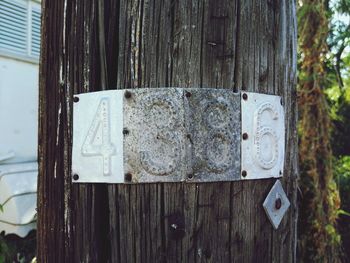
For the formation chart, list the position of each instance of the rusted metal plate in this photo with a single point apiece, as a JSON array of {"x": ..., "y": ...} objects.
[
  {"x": 276, "y": 204},
  {"x": 176, "y": 134},
  {"x": 98, "y": 138},
  {"x": 263, "y": 132},
  {"x": 154, "y": 135}
]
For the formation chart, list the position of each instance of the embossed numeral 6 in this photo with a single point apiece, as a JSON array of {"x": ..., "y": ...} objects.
[
  {"x": 160, "y": 144},
  {"x": 266, "y": 140},
  {"x": 98, "y": 138}
]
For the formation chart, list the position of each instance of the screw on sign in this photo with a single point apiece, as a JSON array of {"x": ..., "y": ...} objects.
[
  {"x": 128, "y": 177},
  {"x": 127, "y": 94},
  {"x": 278, "y": 203},
  {"x": 245, "y": 136}
]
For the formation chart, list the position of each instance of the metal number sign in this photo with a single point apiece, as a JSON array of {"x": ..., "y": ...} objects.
[
  {"x": 213, "y": 131},
  {"x": 176, "y": 134},
  {"x": 154, "y": 142},
  {"x": 263, "y": 130},
  {"x": 98, "y": 138}
]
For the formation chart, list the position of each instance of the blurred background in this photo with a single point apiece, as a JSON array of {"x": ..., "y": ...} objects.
[{"x": 19, "y": 73}]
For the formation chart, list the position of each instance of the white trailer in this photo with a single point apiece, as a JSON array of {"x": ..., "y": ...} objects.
[{"x": 19, "y": 57}]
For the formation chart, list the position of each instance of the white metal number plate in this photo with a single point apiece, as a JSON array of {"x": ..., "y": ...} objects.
[
  {"x": 97, "y": 137},
  {"x": 263, "y": 134},
  {"x": 176, "y": 134}
]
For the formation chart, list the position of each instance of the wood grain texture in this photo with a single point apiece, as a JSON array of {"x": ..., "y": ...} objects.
[{"x": 239, "y": 45}]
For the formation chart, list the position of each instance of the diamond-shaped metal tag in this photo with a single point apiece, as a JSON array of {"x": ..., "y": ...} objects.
[{"x": 276, "y": 204}]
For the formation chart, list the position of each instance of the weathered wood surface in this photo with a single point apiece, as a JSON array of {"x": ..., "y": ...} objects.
[{"x": 239, "y": 45}]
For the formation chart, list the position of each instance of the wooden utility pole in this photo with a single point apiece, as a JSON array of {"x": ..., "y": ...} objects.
[{"x": 238, "y": 45}]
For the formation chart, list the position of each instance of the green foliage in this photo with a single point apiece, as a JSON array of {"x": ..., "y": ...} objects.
[
  {"x": 4, "y": 250},
  {"x": 17, "y": 250},
  {"x": 339, "y": 98},
  {"x": 342, "y": 6},
  {"x": 319, "y": 240},
  {"x": 338, "y": 95},
  {"x": 342, "y": 171},
  {"x": 333, "y": 233}
]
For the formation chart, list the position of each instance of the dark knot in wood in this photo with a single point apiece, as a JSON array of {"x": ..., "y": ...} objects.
[{"x": 176, "y": 223}]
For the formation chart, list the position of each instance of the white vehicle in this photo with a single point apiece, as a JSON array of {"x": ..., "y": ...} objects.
[{"x": 19, "y": 70}]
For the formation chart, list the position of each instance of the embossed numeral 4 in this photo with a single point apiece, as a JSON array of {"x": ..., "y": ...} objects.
[{"x": 98, "y": 138}]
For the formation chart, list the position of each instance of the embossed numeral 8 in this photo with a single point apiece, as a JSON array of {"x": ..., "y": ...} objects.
[{"x": 217, "y": 116}]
